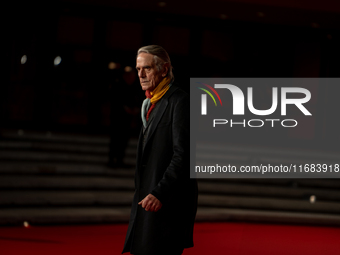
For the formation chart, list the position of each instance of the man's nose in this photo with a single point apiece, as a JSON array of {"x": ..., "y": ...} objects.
[{"x": 141, "y": 73}]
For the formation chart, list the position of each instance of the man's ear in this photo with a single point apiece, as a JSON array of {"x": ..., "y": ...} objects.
[{"x": 165, "y": 70}]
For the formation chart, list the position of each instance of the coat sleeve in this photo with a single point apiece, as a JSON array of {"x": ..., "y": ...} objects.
[{"x": 178, "y": 170}]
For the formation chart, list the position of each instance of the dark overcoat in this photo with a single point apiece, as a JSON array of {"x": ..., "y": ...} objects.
[{"x": 163, "y": 170}]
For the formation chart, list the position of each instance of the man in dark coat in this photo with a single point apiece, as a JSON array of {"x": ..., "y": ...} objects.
[{"x": 165, "y": 200}]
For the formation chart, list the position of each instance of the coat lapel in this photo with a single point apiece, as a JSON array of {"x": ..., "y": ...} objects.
[{"x": 162, "y": 105}]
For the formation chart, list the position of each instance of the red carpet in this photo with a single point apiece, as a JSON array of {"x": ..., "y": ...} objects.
[{"x": 210, "y": 238}]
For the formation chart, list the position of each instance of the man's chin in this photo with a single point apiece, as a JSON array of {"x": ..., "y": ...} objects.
[{"x": 145, "y": 87}]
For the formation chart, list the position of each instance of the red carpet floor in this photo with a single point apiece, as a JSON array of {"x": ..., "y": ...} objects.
[{"x": 210, "y": 238}]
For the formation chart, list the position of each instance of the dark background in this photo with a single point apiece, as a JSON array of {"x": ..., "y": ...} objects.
[
  {"x": 56, "y": 121},
  {"x": 250, "y": 38}
]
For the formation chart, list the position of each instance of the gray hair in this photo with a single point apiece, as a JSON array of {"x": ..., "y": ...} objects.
[{"x": 160, "y": 56}]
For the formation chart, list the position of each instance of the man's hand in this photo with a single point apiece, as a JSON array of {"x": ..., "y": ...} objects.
[{"x": 151, "y": 203}]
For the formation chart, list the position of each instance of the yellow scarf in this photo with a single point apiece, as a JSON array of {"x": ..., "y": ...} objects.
[{"x": 160, "y": 90}]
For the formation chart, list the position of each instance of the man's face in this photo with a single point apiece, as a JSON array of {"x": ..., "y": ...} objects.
[{"x": 148, "y": 74}]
